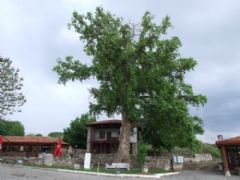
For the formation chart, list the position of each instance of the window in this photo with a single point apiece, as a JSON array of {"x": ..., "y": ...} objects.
[
  {"x": 115, "y": 134},
  {"x": 46, "y": 149},
  {"x": 102, "y": 135}
]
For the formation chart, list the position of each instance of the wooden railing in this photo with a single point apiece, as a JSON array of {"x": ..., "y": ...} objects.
[{"x": 111, "y": 140}]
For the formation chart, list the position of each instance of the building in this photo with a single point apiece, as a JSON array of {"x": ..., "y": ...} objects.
[
  {"x": 230, "y": 151},
  {"x": 103, "y": 137},
  {"x": 28, "y": 146}
]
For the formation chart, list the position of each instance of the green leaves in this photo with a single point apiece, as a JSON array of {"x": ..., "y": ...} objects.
[
  {"x": 10, "y": 88},
  {"x": 71, "y": 70},
  {"x": 141, "y": 74},
  {"x": 55, "y": 134},
  {"x": 142, "y": 153},
  {"x": 11, "y": 128},
  {"x": 76, "y": 133}
]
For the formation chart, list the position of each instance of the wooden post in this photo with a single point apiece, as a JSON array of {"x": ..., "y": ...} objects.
[{"x": 225, "y": 161}]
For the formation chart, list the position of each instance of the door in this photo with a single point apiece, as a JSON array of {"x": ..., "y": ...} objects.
[{"x": 108, "y": 136}]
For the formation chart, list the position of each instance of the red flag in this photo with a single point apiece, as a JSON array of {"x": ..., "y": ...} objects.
[
  {"x": 58, "y": 151},
  {"x": 1, "y": 142}
]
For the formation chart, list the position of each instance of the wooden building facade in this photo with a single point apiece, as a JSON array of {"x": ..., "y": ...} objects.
[
  {"x": 28, "y": 146},
  {"x": 230, "y": 151},
  {"x": 103, "y": 137}
]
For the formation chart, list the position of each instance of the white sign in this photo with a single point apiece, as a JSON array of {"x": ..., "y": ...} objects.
[
  {"x": 87, "y": 161},
  {"x": 178, "y": 159},
  {"x": 133, "y": 137},
  {"x": 175, "y": 159}
]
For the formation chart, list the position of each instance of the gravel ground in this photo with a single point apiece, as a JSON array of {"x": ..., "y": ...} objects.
[
  {"x": 200, "y": 175},
  {"x": 9, "y": 172}
]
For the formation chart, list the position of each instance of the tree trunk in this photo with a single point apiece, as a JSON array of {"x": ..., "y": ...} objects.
[{"x": 123, "y": 154}]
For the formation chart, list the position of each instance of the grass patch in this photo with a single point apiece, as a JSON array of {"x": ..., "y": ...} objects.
[
  {"x": 131, "y": 171},
  {"x": 103, "y": 170}
]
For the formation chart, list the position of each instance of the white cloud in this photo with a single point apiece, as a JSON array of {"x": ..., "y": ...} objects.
[
  {"x": 211, "y": 136},
  {"x": 34, "y": 34},
  {"x": 52, "y": 107},
  {"x": 67, "y": 36}
]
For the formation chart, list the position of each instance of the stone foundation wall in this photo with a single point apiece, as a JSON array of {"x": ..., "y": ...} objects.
[
  {"x": 45, "y": 160},
  {"x": 199, "y": 158},
  {"x": 102, "y": 159},
  {"x": 163, "y": 162}
]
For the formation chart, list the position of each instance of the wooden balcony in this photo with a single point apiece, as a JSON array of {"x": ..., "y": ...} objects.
[{"x": 106, "y": 140}]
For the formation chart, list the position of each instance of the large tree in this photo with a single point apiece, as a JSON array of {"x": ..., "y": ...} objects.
[
  {"x": 11, "y": 97},
  {"x": 11, "y": 128},
  {"x": 76, "y": 133},
  {"x": 136, "y": 66}
]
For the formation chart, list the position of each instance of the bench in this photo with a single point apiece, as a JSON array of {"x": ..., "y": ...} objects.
[{"x": 118, "y": 166}]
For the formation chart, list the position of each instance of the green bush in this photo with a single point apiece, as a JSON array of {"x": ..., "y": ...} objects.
[
  {"x": 11, "y": 128},
  {"x": 142, "y": 153},
  {"x": 211, "y": 149},
  {"x": 204, "y": 148}
]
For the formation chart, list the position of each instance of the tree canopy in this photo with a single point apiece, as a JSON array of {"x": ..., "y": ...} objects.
[
  {"x": 35, "y": 134},
  {"x": 76, "y": 133},
  {"x": 140, "y": 72},
  {"x": 11, "y": 128},
  {"x": 55, "y": 134},
  {"x": 11, "y": 97}
]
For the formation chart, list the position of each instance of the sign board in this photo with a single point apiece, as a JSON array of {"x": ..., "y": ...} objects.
[
  {"x": 178, "y": 159},
  {"x": 87, "y": 161},
  {"x": 133, "y": 137},
  {"x": 175, "y": 159}
]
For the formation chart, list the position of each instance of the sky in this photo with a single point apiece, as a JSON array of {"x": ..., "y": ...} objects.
[{"x": 33, "y": 34}]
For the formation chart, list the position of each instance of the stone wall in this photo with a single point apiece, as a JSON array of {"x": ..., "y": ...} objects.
[
  {"x": 78, "y": 152},
  {"x": 199, "y": 158},
  {"x": 163, "y": 162},
  {"x": 102, "y": 159},
  {"x": 51, "y": 162}
]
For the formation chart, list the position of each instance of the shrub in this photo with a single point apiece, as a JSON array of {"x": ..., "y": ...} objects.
[
  {"x": 211, "y": 149},
  {"x": 142, "y": 153}
]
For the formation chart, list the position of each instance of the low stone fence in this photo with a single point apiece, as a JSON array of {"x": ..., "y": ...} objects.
[
  {"x": 102, "y": 159},
  {"x": 77, "y": 160},
  {"x": 163, "y": 162},
  {"x": 45, "y": 160},
  {"x": 78, "y": 152},
  {"x": 199, "y": 158}
]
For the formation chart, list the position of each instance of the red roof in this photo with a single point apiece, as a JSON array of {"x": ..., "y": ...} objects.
[
  {"x": 106, "y": 122},
  {"x": 30, "y": 140},
  {"x": 230, "y": 141}
]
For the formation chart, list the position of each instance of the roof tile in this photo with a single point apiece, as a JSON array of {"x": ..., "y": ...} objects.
[
  {"x": 234, "y": 140},
  {"x": 30, "y": 139},
  {"x": 106, "y": 122}
]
